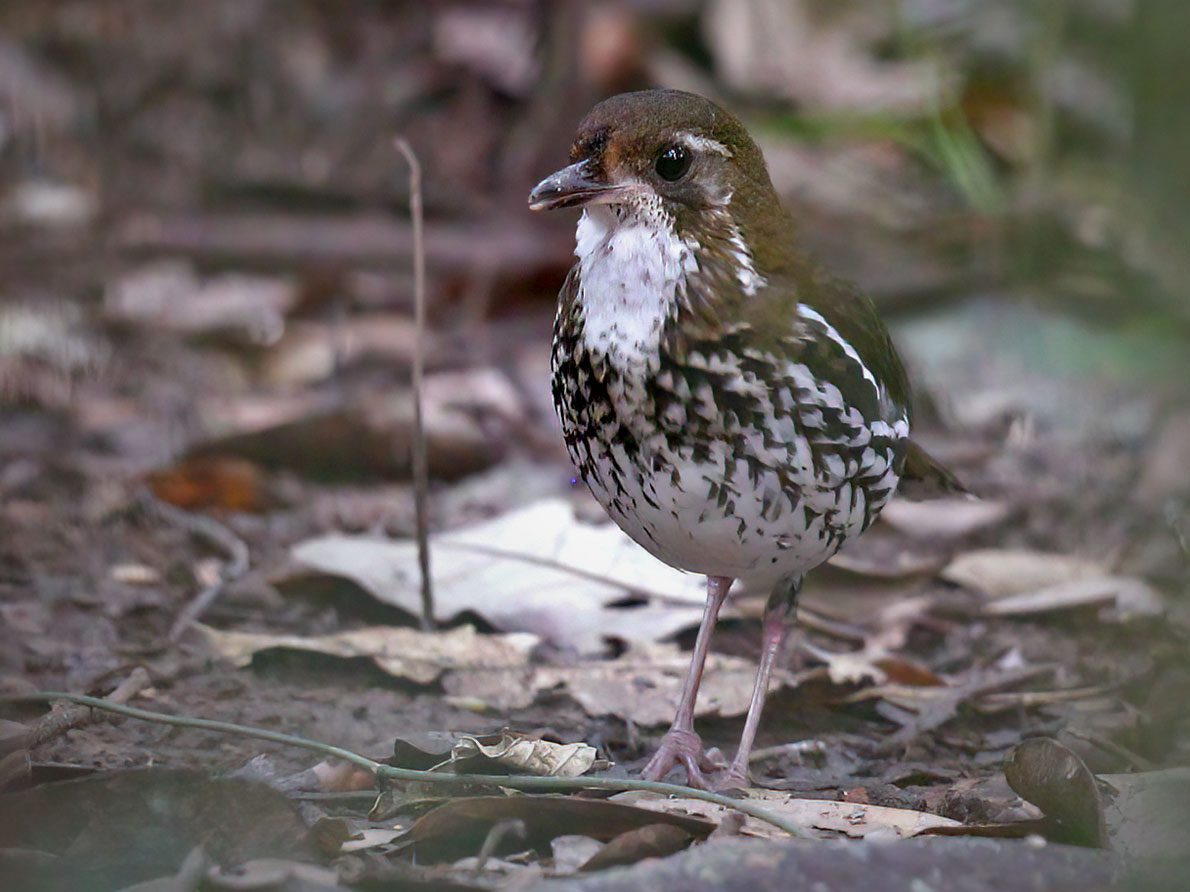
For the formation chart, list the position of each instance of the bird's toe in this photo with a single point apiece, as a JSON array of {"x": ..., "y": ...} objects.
[{"x": 683, "y": 748}]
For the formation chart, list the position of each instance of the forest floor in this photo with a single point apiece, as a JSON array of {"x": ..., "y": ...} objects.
[{"x": 216, "y": 402}]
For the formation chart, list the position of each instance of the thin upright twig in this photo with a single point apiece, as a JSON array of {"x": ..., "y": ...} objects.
[
  {"x": 421, "y": 472},
  {"x": 389, "y": 772}
]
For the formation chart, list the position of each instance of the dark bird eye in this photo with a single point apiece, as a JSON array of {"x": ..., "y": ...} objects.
[{"x": 673, "y": 163}]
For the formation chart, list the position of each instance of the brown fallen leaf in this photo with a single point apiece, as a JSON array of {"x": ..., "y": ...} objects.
[
  {"x": 824, "y": 818},
  {"x": 1052, "y": 777},
  {"x": 408, "y": 653},
  {"x": 650, "y": 841},
  {"x": 459, "y": 827},
  {"x": 994, "y": 830},
  {"x": 211, "y": 481},
  {"x": 331, "y": 777},
  {"x": 900, "y": 670},
  {"x": 368, "y": 439}
]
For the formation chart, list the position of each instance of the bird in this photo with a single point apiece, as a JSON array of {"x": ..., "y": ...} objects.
[{"x": 738, "y": 411}]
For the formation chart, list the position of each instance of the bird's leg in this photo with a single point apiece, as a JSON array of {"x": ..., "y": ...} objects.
[
  {"x": 681, "y": 745},
  {"x": 779, "y": 616}
]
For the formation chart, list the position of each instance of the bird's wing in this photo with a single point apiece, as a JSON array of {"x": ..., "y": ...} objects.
[
  {"x": 853, "y": 315},
  {"x": 833, "y": 330},
  {"x": 839, "y": 313}
]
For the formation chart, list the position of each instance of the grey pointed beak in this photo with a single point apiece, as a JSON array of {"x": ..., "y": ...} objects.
[{"x": 573, "y": 186}]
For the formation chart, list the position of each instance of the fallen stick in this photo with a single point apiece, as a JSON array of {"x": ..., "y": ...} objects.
[
  {"x": 60, "y": 721},
  {"x": 19, "y": 740},
  {"x": 516, "y": 782}
]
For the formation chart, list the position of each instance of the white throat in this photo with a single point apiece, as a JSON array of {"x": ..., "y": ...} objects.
[{"x": 632, "y": 271}]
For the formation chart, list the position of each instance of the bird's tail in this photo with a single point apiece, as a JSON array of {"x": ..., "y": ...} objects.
[{"x": 924, "y": 478}]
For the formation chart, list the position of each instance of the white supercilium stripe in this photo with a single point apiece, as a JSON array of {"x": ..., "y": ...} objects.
[{"x": 705, "y": 143}]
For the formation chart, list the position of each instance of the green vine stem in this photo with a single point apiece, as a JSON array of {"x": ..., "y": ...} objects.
[{"x": 526, "y": 783}]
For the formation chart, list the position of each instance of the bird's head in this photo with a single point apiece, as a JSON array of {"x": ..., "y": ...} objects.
[{"x": 667, "y": 150}]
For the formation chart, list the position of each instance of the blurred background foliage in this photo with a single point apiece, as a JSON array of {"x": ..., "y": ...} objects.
[{"x": 1007, "y": 178}]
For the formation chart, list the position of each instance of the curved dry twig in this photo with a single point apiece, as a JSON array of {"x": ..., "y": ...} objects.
[
  {"x": 58, "y": 722},
  {"x": 213, "y": 533}
]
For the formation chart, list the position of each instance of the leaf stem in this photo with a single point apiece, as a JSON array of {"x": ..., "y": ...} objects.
[{"x": 517, "y": 782}]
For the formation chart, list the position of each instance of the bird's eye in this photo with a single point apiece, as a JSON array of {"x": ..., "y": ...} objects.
[{"x": 673, "y": 163}]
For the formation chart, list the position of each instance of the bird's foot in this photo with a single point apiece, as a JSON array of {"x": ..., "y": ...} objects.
[
  {"x": 682, "y": 747},
  {"x": 731, "y": 779}
]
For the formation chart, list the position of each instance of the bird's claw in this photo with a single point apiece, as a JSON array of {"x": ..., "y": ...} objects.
[{"x": 682, "y": 747}]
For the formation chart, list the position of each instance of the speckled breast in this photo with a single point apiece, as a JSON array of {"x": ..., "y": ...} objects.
[{"x": 728, "y": 461}]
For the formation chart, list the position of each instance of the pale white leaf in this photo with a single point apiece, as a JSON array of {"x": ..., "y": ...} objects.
[
  {"x": 999, "y": 573},
  {"x": 527, "y": 756},
  {"x": 1131, "y": 597},
  {"x": 407, "y": 653},
  {"x": 537, "y": 570},
  {"x": 943, "y": 519}
]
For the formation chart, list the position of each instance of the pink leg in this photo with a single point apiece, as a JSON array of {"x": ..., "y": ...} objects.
[
  {"x": 778, "y": 620},
  {"x": 681, "y": 746}
]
